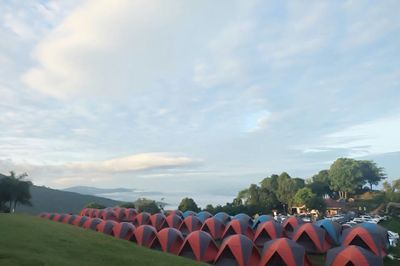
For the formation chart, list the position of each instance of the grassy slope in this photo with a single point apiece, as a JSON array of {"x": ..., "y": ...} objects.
[{"x": 27, "y": 240}]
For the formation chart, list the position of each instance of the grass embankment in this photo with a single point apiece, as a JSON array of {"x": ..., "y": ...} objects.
[{"x": 28, "y": 240}]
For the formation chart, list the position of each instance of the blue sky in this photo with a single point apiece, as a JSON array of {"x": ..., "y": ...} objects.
[{"x": 196, "y": 98}]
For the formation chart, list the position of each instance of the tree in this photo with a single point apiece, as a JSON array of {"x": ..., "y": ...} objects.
[
  {"x": 303, "y": 196},
  {"x": 15, "y": 190},
  {"x": 188, "y": 204},
  {"x": 287, "y": 188},
  {"x": 147, "y": 205},
  {"x": 392, "y": 190},
  {"x": 128, "y": 205},
  {"x": 317, "y": 203},
  {"x": 371, "y": 173},
  {"x": 345, "y": 176},
  {"x": 95, "y": 205},
  {"x": 319, "y": 183}
]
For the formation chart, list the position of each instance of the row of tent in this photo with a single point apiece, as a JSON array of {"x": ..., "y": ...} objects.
[
  {"x": 237, "y": 247},
  {"x": 316, "y": 237}
]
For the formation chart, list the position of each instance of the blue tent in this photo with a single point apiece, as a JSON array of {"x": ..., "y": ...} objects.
[
  {"x": 243, "y": 217},
  {"x": 262, "y": 219},
  {"x": 223, "y": 217},
  {"x": 203, "y": 215},
  {"x": 188, "y": 213},
  {"x": 333, "y": 230}
]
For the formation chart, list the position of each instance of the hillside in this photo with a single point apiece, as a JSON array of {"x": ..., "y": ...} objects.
[
  {"x": 27, "y": 240},
  {"x": 45, "y": 199}
]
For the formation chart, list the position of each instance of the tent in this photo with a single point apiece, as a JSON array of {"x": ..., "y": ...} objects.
[
  {"x": 352, "y": 255},
  {"x": 369, "y": 240},
  {"x": 290, "y": 224},
  {"x": 109, "y": 215},
  {"x": 45, "y": 215},
  {"x": 313, "y": 238},
  {"x": 333, "y": 229},
  {"x": 54, "y": 216},
  {"x": 283, "y": 251},
  {"x": 106, "y": 227},
  {"x": 92, "y": 223},
  {"x": 62, "y": 217},
  {"x": 238, "y": 227},
  {"x": 95, "y": 213},
  {"x": 203, "y": 215},
  {"x": 142, "y": 219},
  {"x": 379, "y": 230},
  {"x": 188, "y": 213},
  {"x": 243, "y": 217},
  {"x": 199, "y": 246},
  {"x": 72, "y": 218},
  {"x": 168, "y": 240},
  {"x": 124, "y": 230},
  {"x": 267, "y": 231},
  {"x": 214, "y": 227},
  {"x": 158, "y": 221},
  {"x": 237, "y": 250},
  {"x": 223, "y": 216},
  {"x": 144, "y": 235},
  {"x": 130, "y": 214},
  {"x": 66, "y": 218},
  {"x": 85, "y": 212},
  {"x": 190, "y": 224},
  {"x": 262, "y": 219},
  {"x": 81, "y": 220},
  {"x": 173, "y": 221},
  {"x": 176, "y": 212},
  {"x": 120, "y": 213}
]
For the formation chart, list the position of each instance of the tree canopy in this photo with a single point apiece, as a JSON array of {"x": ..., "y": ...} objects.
[
  {"x": 188, "y": 204},
  {"x": 14, "y": 190},
  {"x": 147, "y": 205}
]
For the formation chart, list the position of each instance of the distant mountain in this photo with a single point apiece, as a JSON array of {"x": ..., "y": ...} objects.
[
  {"x": 45, "y": 199},
  {"x": 96, "y": 191}
]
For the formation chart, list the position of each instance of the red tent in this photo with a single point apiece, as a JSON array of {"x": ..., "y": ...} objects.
[
  {"x": 81, "y": 220},
  {"x": 130, "y": 214},
  {"x": 177, "y": 212},
  {"x": 158, "y": 221},
  {"x": 144, "y": 235},
  {"x": 352, "y": 255},
  {"x": 109, "y": 215},
  {"x": 92, "y": 223},
  {"x": 55, "y": 216},
  {"x": 237, "y": 250},
  {"x": 214, "y": 227},
  {"x": 369, "y": 240},
  {"x": 142, "y": 219},
  {"x": 95, "y": 213},
  {"x": 173, "y": 221},
  {"x": 106, "y": 227},
  {"x": 124, "y": 230},
  {"x": 168, "y": 240},
  {"x": 189, "y": 224},
  {"x": 283, "y": 251},
  {"x": 120, "y": 213},
  {"x": 239, "y": 226},
  {"x": 61, "y": 218},
  {"x": 267, "y": 231},
  {"x": 290, "y": 224},
  {"x": 72, "y": 219},
  {"x": 199, "y": 246},
  {"x": 85, "y": 212},
  {"x": 45, "y": 215},
  {"x": 312, "y": 237},
  {"x": 66, "y": 218}
]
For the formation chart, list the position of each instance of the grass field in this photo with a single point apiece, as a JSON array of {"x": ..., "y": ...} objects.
[{"x": 29, "y": 240}]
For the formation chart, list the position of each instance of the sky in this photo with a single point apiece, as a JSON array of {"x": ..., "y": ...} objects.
[{"x": 196, "y": 98}]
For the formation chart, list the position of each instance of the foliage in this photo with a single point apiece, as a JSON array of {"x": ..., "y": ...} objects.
[
  {"x": 303, "y": 196},
  {"x": 319, "y": 184},
  {"x": 147, "y": 205},
  {"x": 15, "y": 190},
  {"x": 345, "y": 176},
  {"x": 371, "y": 173},
  {"x": 188, "y": 204},
  {"x": 95, "y": 205},
  {"x": 392, "y": 191},
  {"x": 128, "y": 205}
]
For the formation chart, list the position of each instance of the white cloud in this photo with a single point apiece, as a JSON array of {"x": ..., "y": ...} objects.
[{"x": 143, "y": 161}]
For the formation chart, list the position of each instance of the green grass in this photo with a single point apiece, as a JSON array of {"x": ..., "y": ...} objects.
[
  {"x": 29, "y": 240},
  {"x": 392, "y": 225}
]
